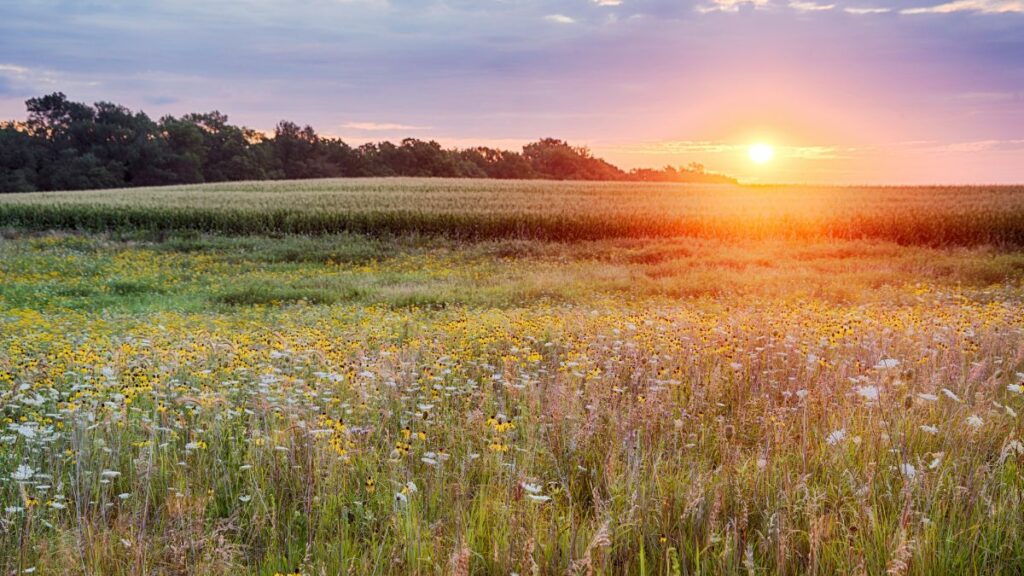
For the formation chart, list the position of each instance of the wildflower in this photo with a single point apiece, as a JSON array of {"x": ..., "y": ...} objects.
[
  {"x": 929, "y": 429},
  {"x": 887, "y": 363},
  {"x": 23, "y": 473},
  {"x": 370, "y": 485},
  {"x": 908, "y": 470},
  {"x": 868, "y": 393},
  {"x": 532, "y": 488},
  {"x": 498, "y": 446},
  {"x": 1015, "y": 388},
  {"x": 836, "y": 437},
  {"x": 975, "y": 421},
  {"x": 949, "y": 394}
]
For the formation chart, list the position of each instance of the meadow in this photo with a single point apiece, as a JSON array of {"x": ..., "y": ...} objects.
[{"x": 200, "y": 395}]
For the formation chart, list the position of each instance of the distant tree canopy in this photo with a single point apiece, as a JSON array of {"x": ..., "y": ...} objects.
[{"x": 65, "y": 145}]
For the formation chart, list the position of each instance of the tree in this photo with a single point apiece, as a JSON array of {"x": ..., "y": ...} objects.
[
  {"x": 65, "y": 145},
  {"x": 556, "y": 159}
]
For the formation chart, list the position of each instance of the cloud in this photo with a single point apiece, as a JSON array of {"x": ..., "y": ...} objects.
[
  {"x": 23, "y": 80},
  {"x": 13, "y": 70},
  {"x": 810, "y": 6},
  {"x": 560, "y": 19},
  {"x": 730, "y": 5},
  {"x": 608, "y": 2},
  {"x": 381, "y": 126},
  {"x": 981, "y": 6},
  {"x": 861, "y": 11},
  {"x": 707, "y": 147},
  {"x": 982, "y": 146}
]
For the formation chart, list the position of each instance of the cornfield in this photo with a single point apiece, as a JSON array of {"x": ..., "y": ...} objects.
[{"x": 560, "y": 211}]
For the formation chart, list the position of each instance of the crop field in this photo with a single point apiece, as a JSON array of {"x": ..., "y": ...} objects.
[
  {"x": 511, "y": 378},
  {"x": 562, "y": 211}
]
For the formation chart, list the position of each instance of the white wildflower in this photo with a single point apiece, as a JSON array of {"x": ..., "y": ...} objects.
[
  {"x": 975, "y": 421},
  {"x": 908, "y": 470},
  {"x": 869, "y": 393},
  {"x": 887, "y": 363},
  {"x": 949, "y": 394},
  {"x": 23, "y": 473},
  {"x": 532, "y": 488},
  {"x": 836, "y": 437}
]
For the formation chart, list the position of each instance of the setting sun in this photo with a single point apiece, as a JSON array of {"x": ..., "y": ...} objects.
[{"x": 761, "y": 153}]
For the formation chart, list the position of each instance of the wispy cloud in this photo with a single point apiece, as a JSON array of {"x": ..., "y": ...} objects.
[
  {"x": 711, "y": 148},
  {"x": 608, "y": 2},
  {"x": 982, "y": 146},
  {"x": 13, "y": 70},
  {"x": 730, "y": 5},
  {"x": 810, "y": 6},
  {"x": 381, "y": 126},
  {"x": 28, "y": 80},
  {"x": 980, "y": 6},
  {"x": 865, "y": 10},
  {"x": 560, "y": 19}
]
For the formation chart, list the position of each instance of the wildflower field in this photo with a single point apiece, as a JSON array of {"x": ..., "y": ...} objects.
[{"x": 178, "y": 400}]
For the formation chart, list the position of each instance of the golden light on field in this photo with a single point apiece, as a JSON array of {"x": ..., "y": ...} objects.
[{"x": 761, "y": 153}]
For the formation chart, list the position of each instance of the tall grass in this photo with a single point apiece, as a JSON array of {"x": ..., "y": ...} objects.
[{"x": 338, "y": 405}]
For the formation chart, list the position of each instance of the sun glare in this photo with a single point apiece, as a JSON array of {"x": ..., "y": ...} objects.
[{"x": 761, "y": 153}]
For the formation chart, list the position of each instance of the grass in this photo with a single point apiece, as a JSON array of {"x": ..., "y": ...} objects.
[
  {"x": 185, "y": 402},
  {"x": 560, "y": 211}
]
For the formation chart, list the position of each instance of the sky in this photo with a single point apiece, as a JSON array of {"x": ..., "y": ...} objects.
[{"x": 846, "y": 91}]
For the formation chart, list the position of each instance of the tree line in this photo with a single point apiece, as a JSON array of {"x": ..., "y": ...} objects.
[{"x": 66, "y": 145}]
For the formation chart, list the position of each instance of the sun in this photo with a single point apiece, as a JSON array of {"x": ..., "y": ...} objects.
[{"x": 761, "y": 153}]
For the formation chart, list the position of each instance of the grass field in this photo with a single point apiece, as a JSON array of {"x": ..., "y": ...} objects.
[
  {"x": 737, "y": 399},
  {"x": 562, "y": 211}
]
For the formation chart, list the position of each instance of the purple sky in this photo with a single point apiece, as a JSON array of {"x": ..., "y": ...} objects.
[{"x": 890, "y": 91}]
